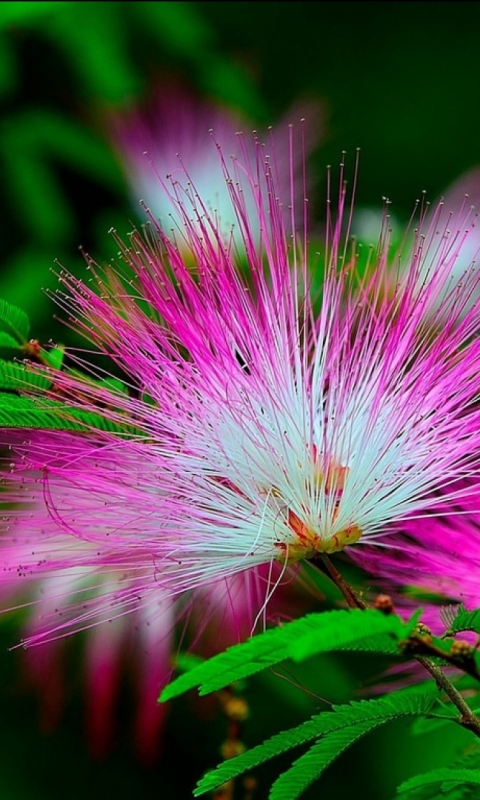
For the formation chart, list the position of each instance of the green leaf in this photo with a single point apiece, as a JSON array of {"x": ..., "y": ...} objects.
[
  {"x": 39, "y": 137},
  {"x": 18, "y": 376},
  {"x": 464, "y": 621},
  {"x": 54, "y": 357},
  {"x": 185, "y": 662},
  {"x": 41, "y": 413},
  {"x": 429, "y": 724},
  {"x": 315, "y": 633},
  {"x": 6, "y": 340},
  {"x": 310, "y": 766},
  {"x": 442, "y": 775},
  {"x": 349, "y": 717},
  {"x": 14, "y": 321},
  {"x": 91, "y": 420},
  {"x": 444, "y": 714},
  {"x": 23, "y": 412},
  {"x": 101, "y": 62},
  {"x": 114, "y": 385},
  {"x": 359, "y": 632}
]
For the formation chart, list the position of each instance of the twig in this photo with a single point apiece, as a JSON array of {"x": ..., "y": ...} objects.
[{"x": 467, "y": 719}]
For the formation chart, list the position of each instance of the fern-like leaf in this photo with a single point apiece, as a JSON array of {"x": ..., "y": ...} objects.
[
  {"x": 361, "y": 632},
  {"x": 430, "y": 724},
  {"x": 315, "y": 633},
  {"x": 310, "y": 766},
  {"x": 43, "y": 414},
  {"x": 15, "y": 376},
  {"x": 351, "y": 715},
  {"x": 444, "y": 775},
  {"x": 464, "y": 621},
  {"x": 450, "y": 789},
  {"x": 14, "y": 322}
]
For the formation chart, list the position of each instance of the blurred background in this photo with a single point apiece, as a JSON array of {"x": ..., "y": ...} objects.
[{"x": 82, "y": 87}]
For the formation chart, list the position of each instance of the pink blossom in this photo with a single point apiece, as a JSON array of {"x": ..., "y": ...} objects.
[
  {"x": 458, "y": 201},
  {"x": 433, "y": 561},
  {"x": 464, "y": 193},
  {"x": 95, "y": 594},
  {"x": 88, "y": 594},
  {"x": 168, "y": 134},
  {"x": 272, "y": 426}
]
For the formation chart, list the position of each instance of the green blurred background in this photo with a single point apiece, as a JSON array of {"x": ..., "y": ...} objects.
[{"x": 399, "y": 80}]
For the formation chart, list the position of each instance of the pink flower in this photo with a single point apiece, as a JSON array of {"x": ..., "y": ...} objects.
[
  {"x": 271, "y": 426},
  {"x": 458, "y": 201},
  {"x": 128, "y": 621},
  {"x": 88, "y": 594},
  {"x": 427, "y": 561},
  {"x": 464, "y": 193},
  {"x": 169, "y": 135},
  {"x": 433, "y": 561}
]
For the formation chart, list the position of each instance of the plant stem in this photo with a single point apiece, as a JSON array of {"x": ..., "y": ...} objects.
[
  {"x": 467, "y": 719},
  {"x": 353, "y": 599}
]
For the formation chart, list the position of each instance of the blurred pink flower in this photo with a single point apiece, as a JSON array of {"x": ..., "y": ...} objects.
[
  {"x": 464, "y": 193},
  {"x": 168, "y": 135},
  {"x": 128, "y": 621},
  {"x": 438, "y": 222},
  {"x": 141, "y": 640},
  {"x": 459, "y": 200}
]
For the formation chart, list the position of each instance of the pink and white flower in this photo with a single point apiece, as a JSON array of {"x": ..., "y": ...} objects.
[
  {"x": 129, "y": 623},
  {"x": 426, "y": 561},
  {"x": 271, "y": 426}
]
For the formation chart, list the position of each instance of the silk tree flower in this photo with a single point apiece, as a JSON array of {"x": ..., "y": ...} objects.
[
  {"x": 141, "y": 641},
  {"x": 271, "y": 426},
  {"x": 427, "y": 562},
  {"x": 456, "y": 201},
  {"x": 168, "y": 135},
  {"x": 144, "y": 642}
]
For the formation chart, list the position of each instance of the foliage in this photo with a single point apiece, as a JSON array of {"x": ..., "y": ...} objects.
[
  {"x": 24, "y": 402},
  {"x": 300, "y": 639},
  {"x": 338, "y": 729},
  {"x": 332, "y": 732}
]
